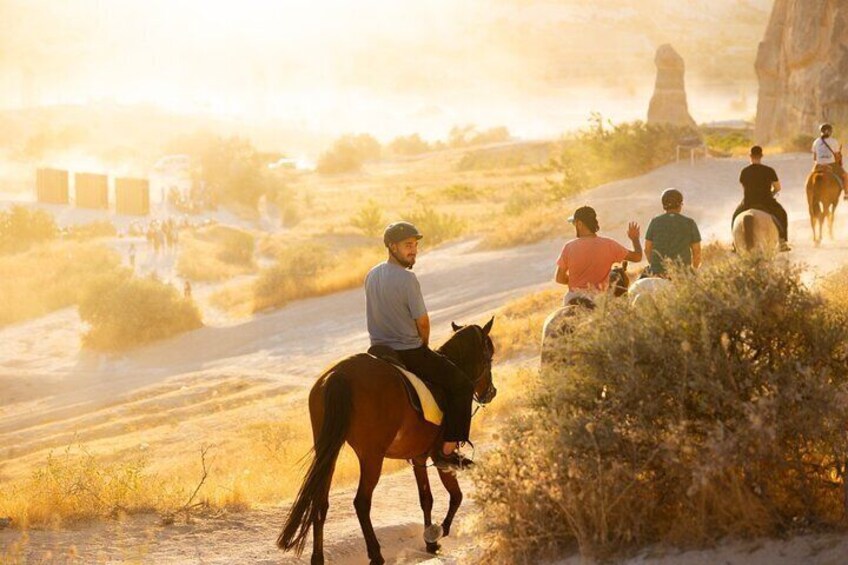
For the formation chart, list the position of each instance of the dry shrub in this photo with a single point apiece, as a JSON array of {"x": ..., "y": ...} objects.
[
  {"x": 519, "y": 324},
  {"x": 716, "y": 410},
  {"x": 309, "y": 270},
  {"x": 91, "y": 230},
  {"x": 49, "y": 277},
  {"x": 436, "y": 226},
  {"x": 834, "y": 287},
  {"x": 216, "y": 253},
  {"x": 124, "y": 312}
]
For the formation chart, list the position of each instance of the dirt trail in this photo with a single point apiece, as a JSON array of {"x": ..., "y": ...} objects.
[{"x": 47, "y": 385}]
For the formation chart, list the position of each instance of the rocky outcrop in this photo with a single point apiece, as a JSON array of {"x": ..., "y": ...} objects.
[
  {"x": 802, "y": 66},
  {"x": 668, "y": 104}
]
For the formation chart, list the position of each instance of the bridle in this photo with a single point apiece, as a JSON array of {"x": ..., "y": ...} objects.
[{"x": 489, "y": 394}]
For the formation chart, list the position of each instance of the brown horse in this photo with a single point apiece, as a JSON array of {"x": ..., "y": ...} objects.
[
  {"x": 362, "y": 401},
  {"x": 822, "y": 197}
]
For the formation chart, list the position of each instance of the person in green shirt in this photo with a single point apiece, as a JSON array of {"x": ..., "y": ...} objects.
[{"x": 672, "y": 236}]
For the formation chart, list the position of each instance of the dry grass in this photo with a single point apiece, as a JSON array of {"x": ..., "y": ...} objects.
[
  {"x": 49, "y": 277},
  {"x": 258, "y": 461},
  {"x": 518, "y": 327}
]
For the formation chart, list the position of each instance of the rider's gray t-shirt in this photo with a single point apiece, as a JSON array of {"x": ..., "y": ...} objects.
[{"x": 393, "y": 302}]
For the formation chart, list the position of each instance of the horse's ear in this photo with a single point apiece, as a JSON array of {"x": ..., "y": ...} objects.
[
  {"x": 455, "y": 327},
  {"x": 624, "y": 265},
  {"x": 488, "y": 327}
]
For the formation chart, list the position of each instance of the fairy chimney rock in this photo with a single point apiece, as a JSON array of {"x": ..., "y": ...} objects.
[
  {"x": 668, "y": 104},
  {"x": 801, "y": 65}
]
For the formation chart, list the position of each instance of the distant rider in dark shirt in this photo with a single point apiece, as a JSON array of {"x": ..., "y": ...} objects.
[{"x": 760, "y": 185}]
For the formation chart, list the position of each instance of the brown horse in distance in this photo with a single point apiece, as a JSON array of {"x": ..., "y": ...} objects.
[
  {"x": 822, "y": 197},
  {"x": 362, "y": 401}
]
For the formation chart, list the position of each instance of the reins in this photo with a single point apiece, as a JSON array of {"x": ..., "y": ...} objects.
[{"x": 475, "y": 398}]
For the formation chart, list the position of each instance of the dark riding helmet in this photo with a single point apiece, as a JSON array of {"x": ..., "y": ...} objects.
[
  {"x": 825, "y": 127},
  {"x": 398, "y": 231},
  {"x": 671, "y": 198}
]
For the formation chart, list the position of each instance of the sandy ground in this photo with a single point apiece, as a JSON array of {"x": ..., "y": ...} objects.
[{"x": 50, "y": 389}]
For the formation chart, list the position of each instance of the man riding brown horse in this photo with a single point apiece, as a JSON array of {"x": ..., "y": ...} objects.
[
  {"x": 397, "y": 318},
  {"x": 827, "y": 156}
]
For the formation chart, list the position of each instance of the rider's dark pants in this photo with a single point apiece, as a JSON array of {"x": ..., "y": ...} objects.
[
  {"x": 774, "y": 208},
  {"x": 438, "y": 370}
]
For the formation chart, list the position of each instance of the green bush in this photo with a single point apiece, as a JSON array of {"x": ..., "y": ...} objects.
[
  {"x": 369, "y": 219},
  {"x": 436, "y": 226},
  {"x": 124, "y": 312},
  {"x": 21, "y": 227},
  {"x": 726, "y": 142},
  {"x": 717, "y": 409}
]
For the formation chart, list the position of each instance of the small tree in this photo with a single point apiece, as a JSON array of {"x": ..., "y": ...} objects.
[
  {"x": 20, "y": 228},
  {"x": 369, "y": 219}
]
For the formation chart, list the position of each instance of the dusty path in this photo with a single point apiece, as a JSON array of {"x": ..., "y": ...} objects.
[{"x": 49, "y": 387}]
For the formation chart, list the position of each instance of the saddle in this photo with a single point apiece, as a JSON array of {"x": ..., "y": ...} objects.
[
  {"x": 424, "y": 400},
  {"x": 832, "y": 172}
]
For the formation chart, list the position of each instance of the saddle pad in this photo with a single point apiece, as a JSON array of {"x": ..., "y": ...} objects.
[{"x": 429, "y": 408}]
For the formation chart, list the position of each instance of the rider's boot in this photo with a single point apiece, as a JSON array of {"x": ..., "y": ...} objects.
[{"x": 451, "y": 462}]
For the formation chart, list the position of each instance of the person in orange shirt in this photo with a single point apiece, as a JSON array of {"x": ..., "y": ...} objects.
[{"x": 585, "y": 262}]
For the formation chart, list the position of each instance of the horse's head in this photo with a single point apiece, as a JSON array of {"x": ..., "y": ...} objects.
[
  {"x": 618, "y": 279},
  {"x": 471, "y": 349}
]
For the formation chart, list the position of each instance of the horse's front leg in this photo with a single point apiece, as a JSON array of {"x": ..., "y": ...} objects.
[
  {"x": 452, "y": 486},
  {"x": 370, "y": 467},
  {"x": 425, "y": 496}
]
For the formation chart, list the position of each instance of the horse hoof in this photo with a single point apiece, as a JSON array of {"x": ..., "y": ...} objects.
[
  {"x": 433, "y": 548},
  {"x": 433, "y": 533}
]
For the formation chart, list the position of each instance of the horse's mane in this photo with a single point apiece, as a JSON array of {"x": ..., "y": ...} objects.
[{"x": 461, "y": 344}]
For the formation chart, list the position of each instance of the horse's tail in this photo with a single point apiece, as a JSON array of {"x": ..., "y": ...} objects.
[
  {"x": 816, "y": 204},
  {"x": 748, "y": 230},
  {"x": 309, "y": 504}
]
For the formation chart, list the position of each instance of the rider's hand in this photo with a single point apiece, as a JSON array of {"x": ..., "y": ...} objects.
[{"x": 633, "y": 230}]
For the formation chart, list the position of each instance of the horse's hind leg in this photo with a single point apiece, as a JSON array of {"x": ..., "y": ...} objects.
[
  {"x": 452, "y": 486},
  {"x": 318, "y": 526},
  {"x": 370, "y": 467},
  {"x": 425, "y": 496},
  {"x": 830, "y": 213}
]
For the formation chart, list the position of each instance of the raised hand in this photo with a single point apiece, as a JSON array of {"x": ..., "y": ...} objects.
[{"x": 633, "y": 231}]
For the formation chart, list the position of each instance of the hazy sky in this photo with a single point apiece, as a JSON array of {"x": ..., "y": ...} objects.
[{"x": 331, "y": 64}]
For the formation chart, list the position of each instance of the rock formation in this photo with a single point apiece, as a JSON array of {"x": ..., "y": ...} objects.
[
  {"x": 802, "y": 66},
  {"x": 668, "y": 104}
]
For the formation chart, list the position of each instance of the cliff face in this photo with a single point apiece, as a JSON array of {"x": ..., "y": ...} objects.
[
  {"x": 668, "y": 104},
  {"x": 802, "y": 66}
]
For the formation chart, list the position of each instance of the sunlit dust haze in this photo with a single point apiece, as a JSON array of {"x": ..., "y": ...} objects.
[{"x": 326, "y": 67}]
